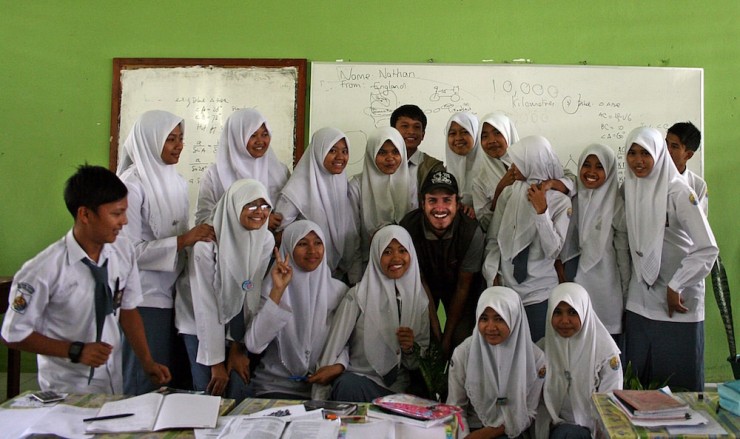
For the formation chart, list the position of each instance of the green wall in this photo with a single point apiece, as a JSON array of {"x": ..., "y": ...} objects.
[{"x": 55, "y": 77}]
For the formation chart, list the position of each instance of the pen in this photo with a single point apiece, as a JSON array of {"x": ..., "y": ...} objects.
[{"x": 103, "y": 418}]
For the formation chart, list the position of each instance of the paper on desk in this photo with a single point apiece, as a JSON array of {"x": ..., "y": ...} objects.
[
  {"x": 711, "y": 428},
  {"x": 375, "y": 428},
  {"x": 62, "y": 420},
  {"x": 213, "y": 433},
  {"x": 14, "y": 422},
  {"x": 287, "y": 413}
]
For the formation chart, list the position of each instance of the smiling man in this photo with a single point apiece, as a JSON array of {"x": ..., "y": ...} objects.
[{"x": 449, "y": 246}]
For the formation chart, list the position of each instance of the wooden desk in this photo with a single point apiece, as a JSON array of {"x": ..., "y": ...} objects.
[
  {"x": 97, "y": 400},
  {"x": 612, "y": 423}
]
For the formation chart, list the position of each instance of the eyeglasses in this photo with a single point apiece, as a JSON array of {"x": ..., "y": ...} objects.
[{"x": 261, "y": 207}]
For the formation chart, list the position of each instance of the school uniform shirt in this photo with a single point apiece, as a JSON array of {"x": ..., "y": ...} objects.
[
  {"x": 53, "y": 294},
  {"x": 597, "y": 235},
  {"x": 700, "y": 189},
  {"x": 420, "y": 164},
  {"x": 234, "y": 162},
  {"x": 313, "y": 193},
  {"x": 226, "y": 275},
  {"x": 499, "y": 384},
  {"x": 292, "y": 334},
  {"x": 579, "y": 365},
  {"x": 672, "y": 244},
  {"x": 368, "y": 316}
]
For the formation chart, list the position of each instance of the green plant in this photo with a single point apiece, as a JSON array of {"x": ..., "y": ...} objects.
[
  {"x": 632, "y": 381},
  {"x": 433, "y": 366}
]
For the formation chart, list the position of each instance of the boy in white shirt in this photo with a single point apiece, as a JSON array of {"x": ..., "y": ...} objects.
[{"x": 55, "y": 296}]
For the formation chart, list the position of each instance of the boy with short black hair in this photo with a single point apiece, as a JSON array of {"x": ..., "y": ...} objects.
[
  {"x": 65, "y": 301},
  {"x": 411, "y": 122},
  {"x": 683, "y": 140}
]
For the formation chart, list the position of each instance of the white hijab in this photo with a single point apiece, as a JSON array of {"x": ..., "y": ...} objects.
[
  {"x": 243, "y": 255},
  {"x": 646, "y": 201},
  {"x": 234, "y": 162},
  {"x": 489, "y": 169},
  {"x": 165, "y": 191},
  {"x": 463, "y": 166},
  {"x": 507, "y": 370},
  {"x": 322, "y": 197},
  {"x": 385, "y": 198},
  {"x": 312, "y": 296},
  {"x": 534, "y": 158},
  {"x": 376, "y": 297},
  {"x": 596, "y": 207},
  {"x": 577, "y": 355}
]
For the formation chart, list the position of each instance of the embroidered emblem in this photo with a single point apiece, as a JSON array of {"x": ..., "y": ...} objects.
[
  {"x": 692, "y": 199},
  {"x": 20, "y": 304},
  {"x": 614, "y": 363},
  {"x": 247, "y": 285},
  {"x": 542, "y": 372},
  {"x": 570, "y": 212},
  {"x": 441, "y": 178}
]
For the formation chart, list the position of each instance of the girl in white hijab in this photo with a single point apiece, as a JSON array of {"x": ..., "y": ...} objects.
[
  {"x": 596, "y": 251},
  {"x": 292, "y": 325},
  {"x": 243, "y": 152},
  {"x": 383, "y": 322},
  {"x": 158, "y": 226},
  {"x": 673, "y": 249},
  {"x": 528, "y": 230},
  {"x": 226, "y": 278},
  {"x": 497, "y": 131},
  {"x": 382, "y": 193},
  {"x": 461, "y": 153},
  {"x": 318, "y": 191},
  {"x": 497, "y": 373},
  {"x": 582, "y": 359}
]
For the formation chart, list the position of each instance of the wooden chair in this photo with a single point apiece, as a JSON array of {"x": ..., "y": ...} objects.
[{"x": 14, "y": 356}]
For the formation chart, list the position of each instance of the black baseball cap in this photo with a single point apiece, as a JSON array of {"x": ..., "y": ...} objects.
[{"x": 439, "y": 180}]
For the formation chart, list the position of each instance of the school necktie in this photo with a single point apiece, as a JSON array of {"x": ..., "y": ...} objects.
[
  {"x": 103, "y": 299},
  {"x": 520, "y": 265}
]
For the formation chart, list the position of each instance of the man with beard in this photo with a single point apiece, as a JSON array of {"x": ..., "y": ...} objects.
[{"x": 449, "y": 247}]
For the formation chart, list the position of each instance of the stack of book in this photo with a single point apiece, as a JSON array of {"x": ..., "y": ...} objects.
[{"x": 651, "y": 405}]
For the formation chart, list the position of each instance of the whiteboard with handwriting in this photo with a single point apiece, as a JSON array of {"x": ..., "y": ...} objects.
[
  {"x": 205, "y": 97},
  {"x": 572, "y": 106}
]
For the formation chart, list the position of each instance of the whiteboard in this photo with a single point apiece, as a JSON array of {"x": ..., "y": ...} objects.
[
  {"x": 572, "y": 106},
  {"x": 205, "y": 96}
]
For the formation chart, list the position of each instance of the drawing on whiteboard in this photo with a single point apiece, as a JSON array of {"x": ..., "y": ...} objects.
[
  {"x": 452, "y": 93},
  {"x": 382, "y": 104}
]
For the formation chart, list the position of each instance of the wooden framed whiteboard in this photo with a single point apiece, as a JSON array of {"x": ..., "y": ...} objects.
[
  {"x": 204, "y": 92},
  {"x": 573, "y": 106}
]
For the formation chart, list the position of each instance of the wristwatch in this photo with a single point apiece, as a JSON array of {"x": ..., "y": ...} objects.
[{"x": 75, "y": 350}]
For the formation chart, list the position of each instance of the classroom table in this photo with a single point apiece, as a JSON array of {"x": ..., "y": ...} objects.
[
  {"x": 612, "y": 423},
  {"x": 97, "y": 400}
]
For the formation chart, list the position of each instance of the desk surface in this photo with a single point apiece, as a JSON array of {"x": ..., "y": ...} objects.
[
  {"x": 97, "y": 400},
  {"x": 612, "y": 423}
]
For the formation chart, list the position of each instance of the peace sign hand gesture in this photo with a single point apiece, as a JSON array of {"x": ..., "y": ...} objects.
[{"x": 281, "y": 275}]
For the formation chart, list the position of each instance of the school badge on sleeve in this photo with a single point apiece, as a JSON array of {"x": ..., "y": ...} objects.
[
  {"x": 692, "y": 199},
  {"x": 542, "y": 373},
  {"x": 24, "y": 293},
  {"x": 614, "y": 363}
]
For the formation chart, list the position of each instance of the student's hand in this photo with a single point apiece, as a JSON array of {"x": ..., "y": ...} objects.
[
  {"x": 238, "y": 361},
  {"x": 281, "y": 275},
  {"x": 536, "y": 196},
  {"x": 159, "y": 374},
  {"x": 95, "y": 354},
  {"x": 275, "y": 220},
  {"x": 326, "y": 375},
  {"x": 497, "y": 280},
  {"x": 405, "y": 339},
  {"x": 675, "y": 302},
  {"x": 219, "y": 380},
  {"x": 468, "y": 210},
  {"x": 508, "y": 179},
  {"x": 201, "y": 232}
]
